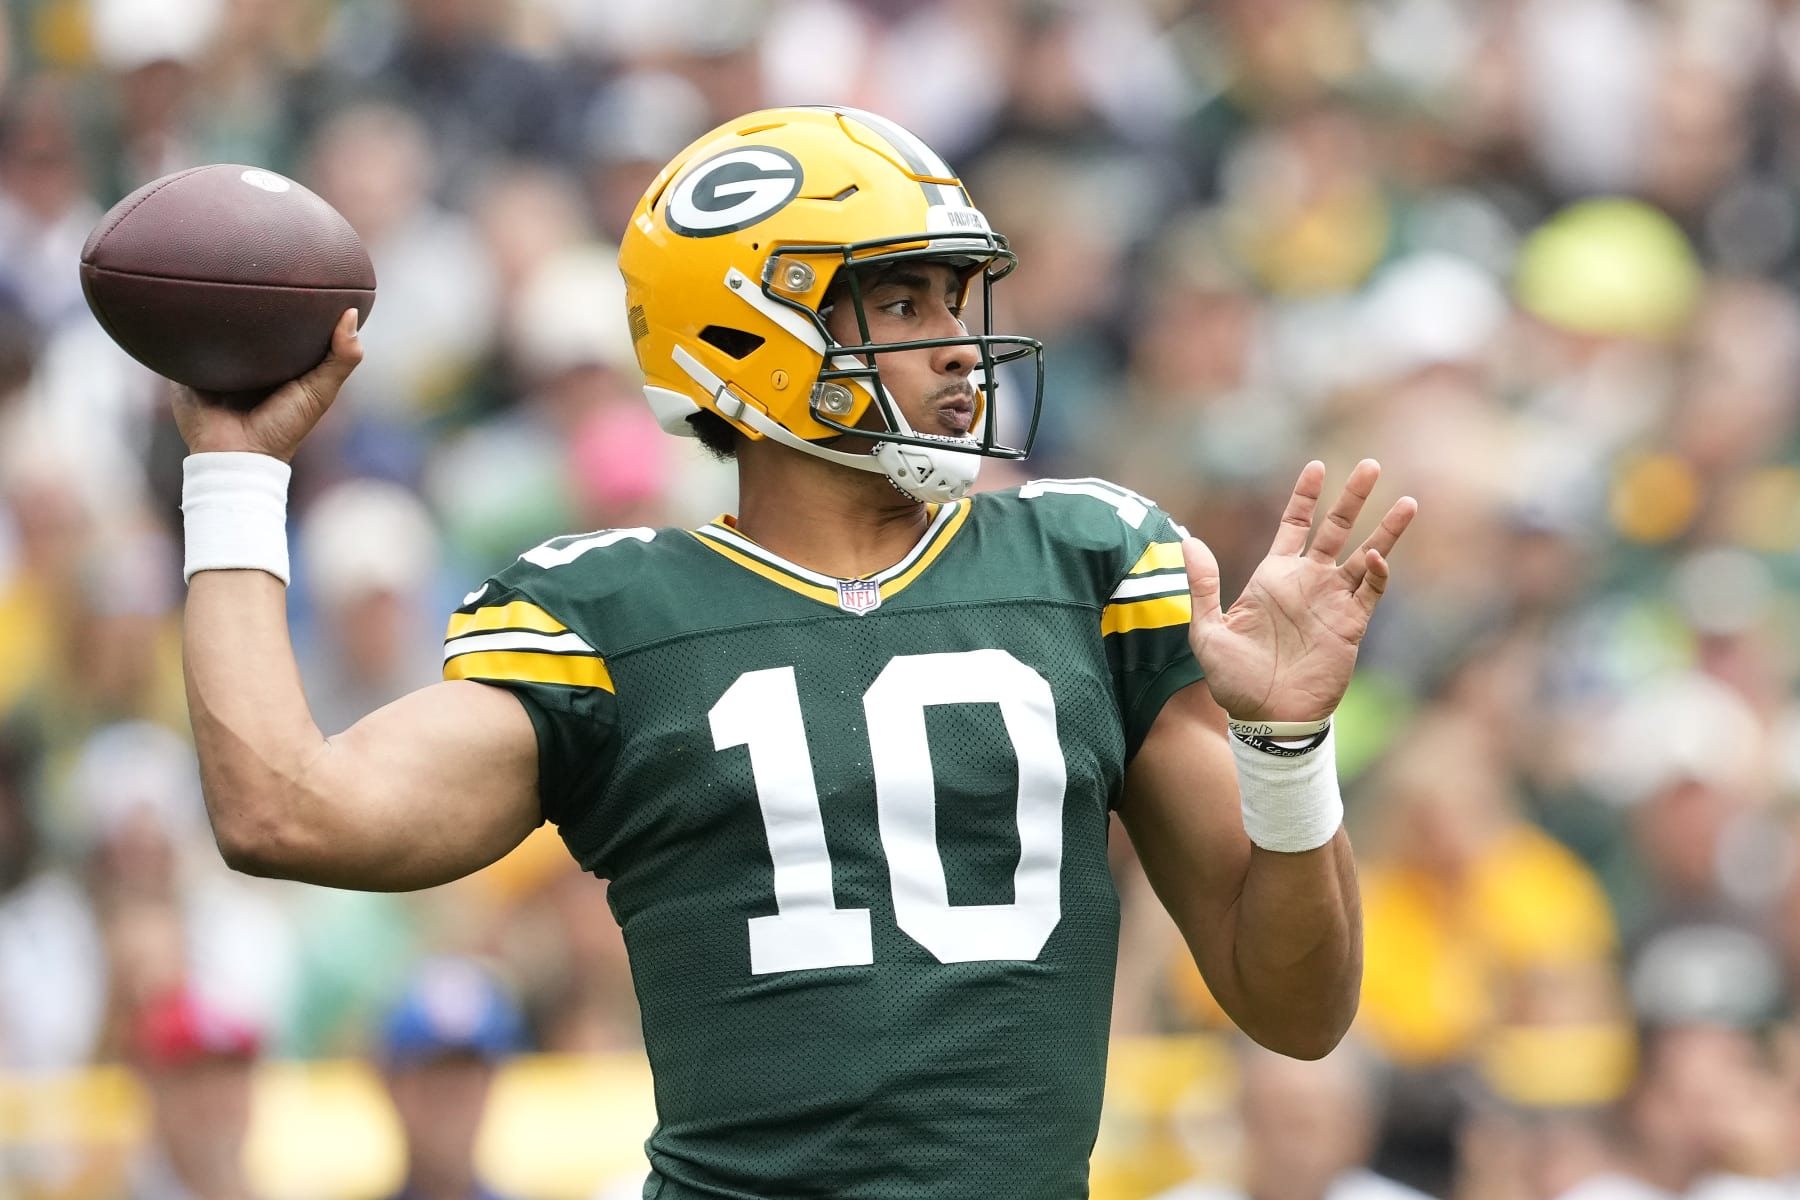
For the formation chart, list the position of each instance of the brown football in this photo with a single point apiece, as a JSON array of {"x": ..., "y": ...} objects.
[{"x": 225, "y": 277}]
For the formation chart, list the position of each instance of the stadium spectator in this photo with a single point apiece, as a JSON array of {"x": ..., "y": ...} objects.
[
  {"x": 375, "y": 548},
  {"x": 1307, "y": 1131},
  {"x": 170, "y": 913},
  {"x": 197, "y": 1061},
  {"x": 46, "y": 202},
  {"x": 52, "y": 965},
  {"x": 1461, "y": 896},
  {"x": 1540, "y": 256},
  {"x": 1704, "y": 1118},
  {"x": 376, "y": 164},
  {"x": 440, "y": 1047},
  {"x": 482, "y": 99}
]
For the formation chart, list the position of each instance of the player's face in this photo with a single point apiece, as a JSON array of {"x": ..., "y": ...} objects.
[{"x": 909, "y": 301}]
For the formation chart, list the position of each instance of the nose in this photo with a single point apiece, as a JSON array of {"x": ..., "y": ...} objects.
[{"x": 957, "y": 360}]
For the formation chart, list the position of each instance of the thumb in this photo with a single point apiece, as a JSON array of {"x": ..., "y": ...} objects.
[
  {"x": 346, "y": 353},
  {"x": 282, "y": 422},
  {"x": 319, "y": 386},
  {"x": 1203, "y": 579}
]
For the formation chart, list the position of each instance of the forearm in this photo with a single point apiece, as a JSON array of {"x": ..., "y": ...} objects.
[
  {"x": 1264, "y": 889},
  {"x": 1294, "y": 957},
  {"x": 1276, "y": 933}
]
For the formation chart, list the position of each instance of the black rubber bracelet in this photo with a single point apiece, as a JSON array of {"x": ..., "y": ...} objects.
[{"x": 1271, "y": 746}]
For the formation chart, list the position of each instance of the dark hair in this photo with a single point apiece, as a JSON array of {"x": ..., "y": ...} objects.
[{"x": 716, "y": 434}]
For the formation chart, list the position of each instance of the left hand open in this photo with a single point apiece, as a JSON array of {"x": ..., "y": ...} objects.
[{"x": 1286, "y": 648}]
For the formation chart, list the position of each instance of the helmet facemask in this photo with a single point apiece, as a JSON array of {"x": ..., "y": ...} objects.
[
  {"x": 926, "y": 466},
  {"x": 858, "y": 363}
]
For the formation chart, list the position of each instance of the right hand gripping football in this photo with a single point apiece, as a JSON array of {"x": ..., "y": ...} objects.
[{"x": 277, "y": 424}]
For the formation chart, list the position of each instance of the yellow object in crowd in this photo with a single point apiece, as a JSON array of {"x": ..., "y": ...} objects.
[
  {"x": 1435, "y": 958},
  {"x": 558, "y": 1126}
]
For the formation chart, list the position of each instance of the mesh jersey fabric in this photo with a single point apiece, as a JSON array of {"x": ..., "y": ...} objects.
[{"x": 913, "y": 801}]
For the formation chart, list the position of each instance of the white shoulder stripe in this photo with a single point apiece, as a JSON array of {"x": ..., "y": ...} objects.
[
  {"x": 739, "y": 542},
  {"x": 944, "y": 514},
  {"x": 1137, "y": 587},
  {"x": 557, "y": 643}
]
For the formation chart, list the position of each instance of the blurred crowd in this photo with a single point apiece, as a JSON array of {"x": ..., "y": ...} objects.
[{"x": 1537, "y": 256}]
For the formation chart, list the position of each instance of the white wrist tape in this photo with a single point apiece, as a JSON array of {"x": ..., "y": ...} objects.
[
  {"x": 1290, "y": 804},
  {"x": 234, "y": 511}
]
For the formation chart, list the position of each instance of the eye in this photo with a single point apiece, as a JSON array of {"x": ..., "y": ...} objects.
[{"x": 903, "y": 307}]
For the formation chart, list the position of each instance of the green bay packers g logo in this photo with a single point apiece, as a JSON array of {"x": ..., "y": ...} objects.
[{"x": 733, "y": 191}]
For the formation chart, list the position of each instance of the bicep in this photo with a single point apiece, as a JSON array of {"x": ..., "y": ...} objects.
[
  {"x": 1181, "y": 810},
  {"x": 427, "y": 789}
]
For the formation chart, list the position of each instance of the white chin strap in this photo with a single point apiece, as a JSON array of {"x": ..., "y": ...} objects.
[
  {"x": 925, "y": 472},
  {"x": 922, "y": 472}
]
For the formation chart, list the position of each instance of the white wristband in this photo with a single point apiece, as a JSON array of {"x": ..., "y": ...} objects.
[
  {"x": 1278, "y": 729},
  {"x": 234, "y": 511},
  {"x": 1290, "y": 804}
]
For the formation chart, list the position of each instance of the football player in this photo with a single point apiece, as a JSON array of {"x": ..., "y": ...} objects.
[{"x": 847, "y": 758}]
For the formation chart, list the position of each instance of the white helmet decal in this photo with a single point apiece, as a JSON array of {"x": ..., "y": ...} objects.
[{"x": 733, "y": 191}]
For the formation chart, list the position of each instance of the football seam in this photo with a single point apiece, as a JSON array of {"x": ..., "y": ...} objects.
[
  {"x": 284, "y": 287},
  {"x": 99, "y": 311},
  {"x": 126, "y": 215}
]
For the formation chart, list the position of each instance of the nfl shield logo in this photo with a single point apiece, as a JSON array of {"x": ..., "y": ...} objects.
[{"x": 859, "y": 596}]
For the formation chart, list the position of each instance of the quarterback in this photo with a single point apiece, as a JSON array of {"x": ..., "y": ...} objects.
[{"x": 847, "y": 757}]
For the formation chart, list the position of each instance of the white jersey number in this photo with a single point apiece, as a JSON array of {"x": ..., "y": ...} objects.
[
  {"x": 1131, "y": 507},
  {"x": 550, "y": 554},
  {"x": 762, "y": 711}
]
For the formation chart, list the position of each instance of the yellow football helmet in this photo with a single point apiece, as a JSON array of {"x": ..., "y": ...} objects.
[{"x": 728, "y": 260}]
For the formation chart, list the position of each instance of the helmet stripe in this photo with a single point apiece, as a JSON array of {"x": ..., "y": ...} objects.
[{"x": 920, "y": 157}]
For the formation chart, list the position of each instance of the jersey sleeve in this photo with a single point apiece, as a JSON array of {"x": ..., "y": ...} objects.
[
  {"x": 502, "y": 635},
  {"x": 1145, "y": 626}
]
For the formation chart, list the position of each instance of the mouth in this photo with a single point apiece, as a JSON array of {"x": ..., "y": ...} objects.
[{"x": 956, "y": 413}]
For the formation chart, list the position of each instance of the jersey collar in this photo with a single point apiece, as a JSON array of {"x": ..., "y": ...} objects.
[{"x": 858, "y": 596}]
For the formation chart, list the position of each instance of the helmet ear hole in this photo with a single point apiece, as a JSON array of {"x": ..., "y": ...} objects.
[{"x": 738, "y": 343}]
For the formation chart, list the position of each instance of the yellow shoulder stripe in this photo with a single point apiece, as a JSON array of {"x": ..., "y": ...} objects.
[
  {"x": 1159, "y": 556},
  {"x": 576, "y": 670},
  {"x": 1147, "y": 614},
  {"x": 520, "y": 614}
]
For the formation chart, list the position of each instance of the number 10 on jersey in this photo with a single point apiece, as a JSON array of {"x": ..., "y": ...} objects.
[{"x": 761, "y": 711}]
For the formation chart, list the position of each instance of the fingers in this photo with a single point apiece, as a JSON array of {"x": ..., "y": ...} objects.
[
  {"x": 1374, "y": 581},
  {"x": 278, "y": 425},
  {"x": 272, "y": 423},
  {"x": 1383, "y": 540},
  {"x": 1330, "y": 537},
  {"x": 1296, "y": 520}
]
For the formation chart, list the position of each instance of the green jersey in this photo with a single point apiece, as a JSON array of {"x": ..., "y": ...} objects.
[{"x": 855, "y": 829}]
